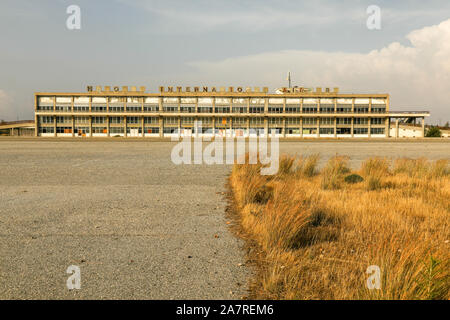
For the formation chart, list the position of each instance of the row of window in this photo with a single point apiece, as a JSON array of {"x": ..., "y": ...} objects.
[
  {"x": 218, "y": 109},
  {"x": 174, "y": 120},
  {"x": 169, "y": 130}
]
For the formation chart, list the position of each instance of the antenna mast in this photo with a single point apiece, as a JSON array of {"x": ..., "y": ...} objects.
[{"x": 289, "y": 79}]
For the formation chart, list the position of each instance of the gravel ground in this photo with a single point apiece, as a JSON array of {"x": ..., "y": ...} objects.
[{"x": 138, "y": 226}]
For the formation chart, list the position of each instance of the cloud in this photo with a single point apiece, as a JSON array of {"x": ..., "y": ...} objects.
[
  {"x": 182, "y": 17},
  {"x": 416, "y": 76}
]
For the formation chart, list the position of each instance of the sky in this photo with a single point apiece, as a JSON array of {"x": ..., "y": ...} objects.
[{"x": 227, "y": 43}]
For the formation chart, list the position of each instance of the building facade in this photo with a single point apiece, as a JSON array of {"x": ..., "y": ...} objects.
[{"x": 297, "y": 112}]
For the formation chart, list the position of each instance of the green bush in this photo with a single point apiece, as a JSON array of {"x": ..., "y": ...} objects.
[
  {"x": 433, "y": 132},
  {"x": 353, "y": 178}
]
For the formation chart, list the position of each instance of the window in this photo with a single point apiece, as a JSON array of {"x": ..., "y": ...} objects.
[
  {"x": 116, "y": 120},
  {"x": 377, "y": 120},
  {"x": 378, "y": 109},
  {"x": 239, "y": 109},
  {"x": 256, "y": 109},
  {"x": 309, "y": 108},
  {"x": 361, "y": 121},
  {"x": 205, "y": 120},
  {"x": 327, "y": 121},
  {"x": 63, "y": 119},
  {"x": 361, "y": 108},
  {"x": 170, "y": 108},
  {"x": 187, "y": 109},
  {"x": 326, "y": 130},
  {"x": 170, "y": 130},
  {"x": 309, "y": 121},
  {"x": 292, "y": 121},
  {"x": 99, "y": 130},
  {"x": 187, "y": 120},
  {"x": 46, "y": 119},
  {"x": 343, "y": 131},
  {"x": 152, "y": 120},
  {"x": 45, "y": 108},
  {"x": 81, "y": 119},
  {"x": 98, "y": 119},
  {"x": 151, "y": 130},
  {"x": 116, "y": 130},
  {"x": 309, "y": 130},
  {"x": 240, "y": 121},
  {"x": 133, "y": 120},
  {"x": 275, "y": 121},
  {"x": 257, "y": 121},
  {"x": 98, "y": 108},
  {"x": 151, "y": 107},
  {"x": 63, "y": 108},
  {"x": 361, "y": 130},
  {"x": 63, "y": 129},
  {"x": 83, "y": 108},
  {"x": 205, "y": 109},
  {"x": 171, "y": 120},
  {"x": 344, "y": 108},
  {"x": 344, "y": 120},
  {"x": 275, "y": 108},
  {"x": 292, "y": 109},
  {"x": 116, "y": 108},
  {"x": 222, "y": 109},
  {"x": 134, "y": 108},
  {"x": 46, "y": 130},
  {"x": 326, "y": 108},
  {"x": 377, "y": 130}
]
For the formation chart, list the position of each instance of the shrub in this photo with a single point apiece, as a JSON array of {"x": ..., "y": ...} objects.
[
  {"x": 433, "y": 132},
  {"x": 306, "y": 167},
  {"x": 332, "y": 174},
  {"x": 353, "y": 178}
]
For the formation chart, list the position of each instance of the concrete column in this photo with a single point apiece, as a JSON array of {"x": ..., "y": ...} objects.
[
  {"x": 370, "y": 126},
  {"x": 318, "y": 127},
  {"x": 179, "y": 124},
  {"x": 387, "y": 127},
  {"x": 143, "y": 126},
  {"x": 248, "y": 126},
  {"x": 353, "y": 127},
  {"x": 73, "y": 124},
  {"x": 231, "y": 126},
  {"x": 54, "y": 126},
  {"x": 423, "y": 127},
  {"x": 284, "y": 127},
  {"x": 266, "y": 126},
  {"x": 161, "y": 127},
  {"x": 396, "y": 129},
  {"x": 301, "y": 127},
  {"x": 335, "y": 126},
  {"x": 36, "y": 125},
  {"x": 214, "y": 126},
  {"x": 125, "y": 126},
  {"x": 108, "y": 126},
  {"x": 90, "y": 126}
]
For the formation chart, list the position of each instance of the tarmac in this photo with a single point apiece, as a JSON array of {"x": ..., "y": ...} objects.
[{"x": 137, "y": 225}]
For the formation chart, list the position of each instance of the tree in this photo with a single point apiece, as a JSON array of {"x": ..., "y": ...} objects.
[
  {"x": 447, "y": 125},
  {"x": 433, "y": 132}
]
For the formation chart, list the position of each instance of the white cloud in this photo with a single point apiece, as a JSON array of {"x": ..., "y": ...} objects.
[
  {"x": 181, "y": 17},
  {"x": 416, "y": 76}
]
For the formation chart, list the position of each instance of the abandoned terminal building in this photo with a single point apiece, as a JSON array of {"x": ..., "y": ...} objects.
[{"x": 289, "y": 112}]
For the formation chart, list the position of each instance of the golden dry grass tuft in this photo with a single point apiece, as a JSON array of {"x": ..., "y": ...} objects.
[{"x": 317, "y": 232}]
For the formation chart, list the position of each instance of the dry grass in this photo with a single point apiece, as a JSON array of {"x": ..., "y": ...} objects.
[{"x": 316, "y": 234}]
